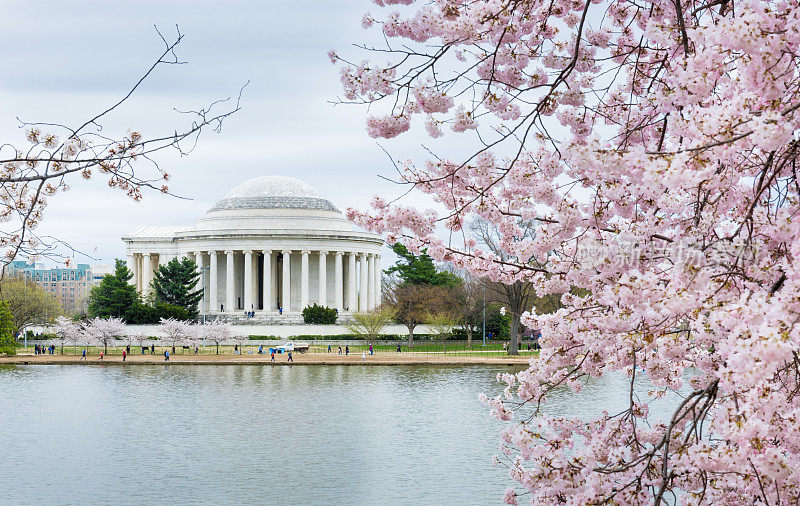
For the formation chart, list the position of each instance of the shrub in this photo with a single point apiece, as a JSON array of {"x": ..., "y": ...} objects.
[
  {"x": 140, "y": 313},
  {"x": 320, "y": 314},
  {"x": 498, "y": 325},
  {"x": 167, "y": 311},
  {"x": 7, "y": 344}
]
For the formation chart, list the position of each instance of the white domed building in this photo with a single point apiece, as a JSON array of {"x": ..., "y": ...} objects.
[{"x": 272, "y": 245}]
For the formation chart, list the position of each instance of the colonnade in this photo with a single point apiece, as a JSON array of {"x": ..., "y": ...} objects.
[{"x": 275, "y": 280}]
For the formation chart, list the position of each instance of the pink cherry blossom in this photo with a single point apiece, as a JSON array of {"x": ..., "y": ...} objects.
[{"x": 652, "y": 150}]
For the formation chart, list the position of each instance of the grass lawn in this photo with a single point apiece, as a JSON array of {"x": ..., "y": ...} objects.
[{"x": 381, "y": 348}]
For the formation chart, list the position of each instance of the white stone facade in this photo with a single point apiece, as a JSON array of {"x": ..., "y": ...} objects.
[{"x": 272, "y": 242}]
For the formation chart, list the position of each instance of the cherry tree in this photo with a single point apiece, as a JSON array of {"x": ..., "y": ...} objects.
[
  {"x": 179, "y": 332},
  {"x": 55, "y": 154},
  {"x": 67, "y": 330},
  {"x": 105, "y": 330},
  {"x": 217, "y": 331},
  {"x": 654, "y": 147}
]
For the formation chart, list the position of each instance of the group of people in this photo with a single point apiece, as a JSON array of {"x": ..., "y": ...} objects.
[
  {"x": 249, "y": 314},
  {"x": 347, "y": 349},
  {"x": 41, "y": 349}
]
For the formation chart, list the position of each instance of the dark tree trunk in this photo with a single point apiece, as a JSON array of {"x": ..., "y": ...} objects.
[
  {"x": 513, "y": 344},
  {"x": 410, "y": 335}
]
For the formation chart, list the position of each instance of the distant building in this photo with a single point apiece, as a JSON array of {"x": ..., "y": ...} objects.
[
  {"x": 98, "y": 271},
  {"x": 70, "y": 287},
  {"x": 273, "y": 245}
]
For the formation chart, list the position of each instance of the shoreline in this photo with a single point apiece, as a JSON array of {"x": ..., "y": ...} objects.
[{"x": 299, "y": 359}]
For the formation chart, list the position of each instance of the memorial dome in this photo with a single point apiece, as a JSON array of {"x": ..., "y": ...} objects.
[
  {"x": 274, "y": 192},
  {"x": 271, "y": 246}
]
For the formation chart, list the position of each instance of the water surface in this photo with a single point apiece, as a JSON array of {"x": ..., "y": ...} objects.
[{"x": 257, "y": 434}]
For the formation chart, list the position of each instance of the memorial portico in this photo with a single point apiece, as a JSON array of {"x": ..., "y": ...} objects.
[{"x": 272, "y": 245}]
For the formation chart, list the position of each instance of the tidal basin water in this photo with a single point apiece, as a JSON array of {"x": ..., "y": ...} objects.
[{"x": 257, "y": 434}]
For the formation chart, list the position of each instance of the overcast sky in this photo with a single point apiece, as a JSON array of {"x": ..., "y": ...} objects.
[{"x": 65, "y": 61}]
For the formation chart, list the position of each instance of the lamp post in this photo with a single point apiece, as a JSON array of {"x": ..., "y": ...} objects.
[
  {"x": 25, "y": 303},
  {"x": 25, "y": 300},
  {"x": 203, "y": 302},
  {"x": 484, "y": 312}
]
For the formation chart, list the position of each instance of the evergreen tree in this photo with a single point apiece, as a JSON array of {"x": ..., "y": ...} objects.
[
  {"x": 114, "y": 295},
  {"x": 175, "y": 284},
  {"x": 419, "y": 269},
  {"x": 7, "y": 344}
]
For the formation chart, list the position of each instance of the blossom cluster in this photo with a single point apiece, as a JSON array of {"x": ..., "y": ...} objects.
[{"x": 652, "y": 150}]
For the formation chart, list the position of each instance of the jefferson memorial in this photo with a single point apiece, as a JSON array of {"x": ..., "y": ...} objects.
[{"x": 272, "y": 245}]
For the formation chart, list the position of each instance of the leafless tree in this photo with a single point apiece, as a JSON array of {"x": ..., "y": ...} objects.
[
  {"x": 58, "y": 153},
  {"x": 517, "y": 297}
]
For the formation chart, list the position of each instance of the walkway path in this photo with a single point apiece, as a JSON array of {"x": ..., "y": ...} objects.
[{"x": 299, "y": 358}]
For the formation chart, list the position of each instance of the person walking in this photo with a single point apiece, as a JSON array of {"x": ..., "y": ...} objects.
[
  {"x": 83, "y": 357},
  {"x": 290, "y": 357},
  {"x": 124, "y": 355},
  {"x": 166, "y": 355},
  {"x": 398, "y": 347},
  {"x": 363, "y": 356},
  {"x": 329, "y": 348},
  {"x": 128, "y": 349},
  {"x": 346, "y": 349},
  {"x": 370, "y": 349},
  {"x": 340, "y": 349},
  {"x": 272, "y": 355}
]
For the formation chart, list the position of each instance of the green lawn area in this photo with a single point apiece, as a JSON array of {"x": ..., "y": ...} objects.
[{"x": 422, "y": 347}]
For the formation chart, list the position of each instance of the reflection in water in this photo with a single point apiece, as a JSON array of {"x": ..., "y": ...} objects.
[{"x": 224, "y": 434}]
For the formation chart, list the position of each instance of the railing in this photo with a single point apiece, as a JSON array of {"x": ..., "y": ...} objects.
[{"x": 379, "y": 348}]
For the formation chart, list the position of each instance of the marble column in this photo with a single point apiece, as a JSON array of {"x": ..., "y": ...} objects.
[
  {"x": 304, "y": 279},
  {"x": 248, "y": 280},
  {"x": 338, "y": 288},
  {"x": 267, "y": 288},
  {"x": 230, "y": 291},
  {"x": 212, "y": 281},
  {"x": 202, "y": 281},
  {"x": 371, "y": 281},
  {"x": 286, "y": 297},
  {"x": 131, "y": 264},
  {"x": 362, "y": 289},
  {"x": 147, "y": 272},
  {"x": 274, "y": 289},
  {"x": 351, "y": 282},
  {"x": 378, "y": 285},
  {"x": 137, "y": 259},
  {"x": 323, "y": 278}
]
